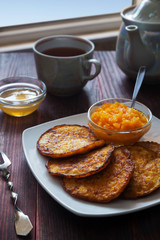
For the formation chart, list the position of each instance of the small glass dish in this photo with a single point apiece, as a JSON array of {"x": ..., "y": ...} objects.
[
  {"x": 20, "y": 96},
  {"x": 120, "y": 137}
]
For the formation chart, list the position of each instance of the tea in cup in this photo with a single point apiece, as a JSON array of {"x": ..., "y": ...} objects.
[{"x": 64, "y": 63}]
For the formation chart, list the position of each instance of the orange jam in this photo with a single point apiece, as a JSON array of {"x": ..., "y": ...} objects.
[
  {"x": 118, "y": 117},
  {"x": 118, "y": 123}
]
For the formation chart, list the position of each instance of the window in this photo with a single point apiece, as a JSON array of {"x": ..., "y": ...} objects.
[
  {"x": 32, "y": 11},
  {"x": 23, "y": 22}
]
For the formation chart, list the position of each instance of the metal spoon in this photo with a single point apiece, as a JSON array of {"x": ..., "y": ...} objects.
[
  {"x": 23, "y": 224},
  {"x": 139, "y": 80}
]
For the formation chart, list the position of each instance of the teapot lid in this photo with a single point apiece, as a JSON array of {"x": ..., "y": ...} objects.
[{"x": 147, "y": 12}]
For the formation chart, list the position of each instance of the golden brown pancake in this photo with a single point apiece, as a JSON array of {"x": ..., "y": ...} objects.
[
  {"x": 67, "y": 140},
  {"x": 105, "y": 185},
  {"x": 146, "y": 176},
  {"x": 154, "y": 146},
  {"x": 81, "y": 165}
]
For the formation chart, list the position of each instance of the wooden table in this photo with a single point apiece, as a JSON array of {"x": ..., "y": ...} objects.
[{"x": 50, "y": 220}]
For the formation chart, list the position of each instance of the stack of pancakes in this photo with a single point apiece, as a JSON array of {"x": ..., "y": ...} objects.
[{"x": 95, "y": 171}]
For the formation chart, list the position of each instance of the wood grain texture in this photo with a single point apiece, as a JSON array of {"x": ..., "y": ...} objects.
[{"x": 50, "y": 220}]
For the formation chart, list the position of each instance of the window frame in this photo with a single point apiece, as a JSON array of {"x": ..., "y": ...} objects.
[{"x": 93, "y": 27}]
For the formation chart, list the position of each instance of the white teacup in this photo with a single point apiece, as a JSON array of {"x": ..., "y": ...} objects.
[{"x": 64, "y": 62}]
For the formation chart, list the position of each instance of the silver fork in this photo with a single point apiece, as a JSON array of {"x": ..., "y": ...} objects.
[{"x": 23, "y": 225}]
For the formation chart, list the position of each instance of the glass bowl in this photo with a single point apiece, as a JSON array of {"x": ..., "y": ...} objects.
[
  {"x": 20, "y": 96},
  {"x": 120, "y": 137}
]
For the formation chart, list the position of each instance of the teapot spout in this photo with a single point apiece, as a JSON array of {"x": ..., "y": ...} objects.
[{"x": 137, "y": 53}]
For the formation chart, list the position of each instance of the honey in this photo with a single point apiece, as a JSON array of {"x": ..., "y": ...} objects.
[{"x": 20, "y": 101}]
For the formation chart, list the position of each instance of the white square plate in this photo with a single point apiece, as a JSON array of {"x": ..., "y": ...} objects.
[{"x": 53, "y": 186}]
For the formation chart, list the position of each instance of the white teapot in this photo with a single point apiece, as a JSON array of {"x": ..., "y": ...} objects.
[{"x": 138, "y": 43}]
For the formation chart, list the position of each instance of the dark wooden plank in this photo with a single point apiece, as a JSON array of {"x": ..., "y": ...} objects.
[
  {"x": 60, "y": 224},
  {"x": 50, "y": 220},
  {"x": 11, "y": 143}
]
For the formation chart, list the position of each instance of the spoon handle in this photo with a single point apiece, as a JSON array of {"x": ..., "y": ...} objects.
[
  {"x": 23, "y": 225},
  {"x": 138, "y": 83}
]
